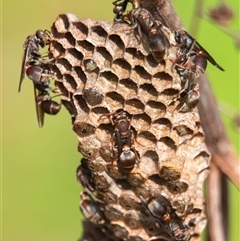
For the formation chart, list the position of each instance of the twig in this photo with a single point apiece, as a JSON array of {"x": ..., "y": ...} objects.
[
  {"x": 198, "y": 9},
  {"x": 214, "y": 205},
  {"x": 216, "y": 137}
]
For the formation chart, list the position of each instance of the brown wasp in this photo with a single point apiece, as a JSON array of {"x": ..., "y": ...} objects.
[
  {"x": 123, "y": 140},
  {"x": 37, "y": 69},
  {"x": 161, "y": 210},
  {"x": 90, "y": 210},
  {"x": 31, "y": 51},
  {"x": 188, "y": 44},
  {"x": 192, "y": 57},
  {"x": 44, "y": 105},
  {"x": 142, "y": 20},
  {"x": 40, "y": 75}
]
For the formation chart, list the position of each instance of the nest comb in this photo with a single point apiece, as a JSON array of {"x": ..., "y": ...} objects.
[{"x": 102, "y": 68}]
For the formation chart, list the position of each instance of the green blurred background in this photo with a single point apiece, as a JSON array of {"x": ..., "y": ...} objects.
[{"x": 40, "y": 194}]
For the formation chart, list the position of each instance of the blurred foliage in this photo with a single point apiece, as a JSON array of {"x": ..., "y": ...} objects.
[{"x": 40, "y": 194}]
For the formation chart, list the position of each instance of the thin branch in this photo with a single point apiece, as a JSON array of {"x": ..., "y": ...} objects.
[
  {"x": 198, "y": 9},
  {"x": 216, "y": 137},
  {"x": 214, "y": 205}
]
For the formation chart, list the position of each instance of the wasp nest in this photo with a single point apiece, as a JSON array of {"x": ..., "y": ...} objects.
[{"x": 104, "y": 68}]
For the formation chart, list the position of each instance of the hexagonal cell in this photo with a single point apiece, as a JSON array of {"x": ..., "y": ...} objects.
[
  {"x": 151, "y": 64},
  {"x": 142, "y": 191},
  {"x": 170, "y": 173},
  {"x": 70, "y": 107},
  {"x": 95, "y": 164},
  {"x": 177, "y": 187},
  {"x": 153, "y": 156},
  {"x": 101, "y": 180},
  {"x": 169, "y": 94},
  {"x": 134, "y": 57},
  {"x": 79, "y": 30},
  {"x": 156, "y": 181},
  {"x": 134, "y": 106},
  {"x": 103, "y": 56},
  {"x": 182, "y": 205},
  {"x": 89, "y": 148},
  {"x": 62, "y": 22},
  {"x": 146, "y": 138},
  {"x": 114, "y": 101},
  {"x": 63, "y": 65},
  {"x": 71, "y": 40},
  {"x": 183, "y": 130},
  {"x": 202, "y": 161},
  {"x": 147, "y": 92},
  {"x": 69, "y": 82},
  {"x": 57, "y": 49},
  {"x": 110, "y": 197},
  {"x": 168, "y": 142},
  {"x": 121, "y": 68},
  {"x": 162, "y": 81},
  {"x": 64, "y": 92},
  {"x": 98, "y": 34},
  {"x": 113, "y": 171},
  {"x": 92, "y": 95},
  {"x": 141, "y": 122},
  {"x": 74, "y": 57},
  {"x": 132, "y": 220},
  {"x": 115, "y": 46},
  {"x": 57, "y": 73},
  {"x": 83, "y": 129},
  {"x": 85, "y": 47},
  {"x": 127, "y": 88},
  {"x": 161, "y": 127},
  {"x": 140, "y": 76},
  {"x": 149, "y": 163},
  {"x": 128, "y": 200},
  {"x": 90, "y": 65},
  {"x": 104, "y": 133},
  {"x": 80, "y": 102},
  {"x": 197, "y": 140},
  {"x": 107, "y": 81},
  {"x": 155, "y": 109},
  {"x": 136, "y": 178},
  {"x": 112, "y": 213},
  {"x": 78, "y": 74},
  {"x": 67, "y": 43},
  {"x": 96, "y": 115}
]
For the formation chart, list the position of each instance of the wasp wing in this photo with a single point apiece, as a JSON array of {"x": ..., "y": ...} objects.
[
  {"x": 39, "y": 111},
  {"x": 209, "y": 57},
  {"x": 23, "y": 67}
]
